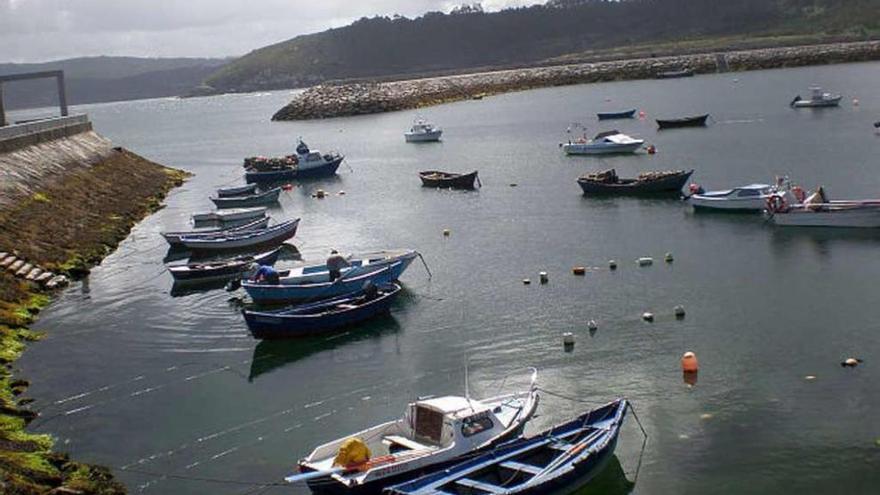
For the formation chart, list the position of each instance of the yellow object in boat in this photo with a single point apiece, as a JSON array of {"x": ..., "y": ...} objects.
[{"x": 353, "y": 451}]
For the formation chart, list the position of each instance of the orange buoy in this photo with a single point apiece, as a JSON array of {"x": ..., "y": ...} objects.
[
  {"x": 287, "y": 187},
  {"x": 641, "y": 114},
  {"x": 652, "y": 149},
  {"x": 689, "y": 362},
  {"x": 579, "y": 270}
]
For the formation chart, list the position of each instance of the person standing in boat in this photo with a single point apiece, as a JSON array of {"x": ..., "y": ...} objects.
[{"x": 335, "y": 263}]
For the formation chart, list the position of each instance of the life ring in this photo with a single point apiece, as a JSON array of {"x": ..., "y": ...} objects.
[{"x": 776, "y": 203}]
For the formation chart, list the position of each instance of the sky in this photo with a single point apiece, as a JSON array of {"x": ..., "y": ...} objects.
[{"x": 43, "y": 30}]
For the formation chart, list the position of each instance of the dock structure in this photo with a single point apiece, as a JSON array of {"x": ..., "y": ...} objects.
[{"x": 24, "y": 76}]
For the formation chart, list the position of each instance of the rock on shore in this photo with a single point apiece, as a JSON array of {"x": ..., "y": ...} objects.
[{"x": 326, "y": 100}]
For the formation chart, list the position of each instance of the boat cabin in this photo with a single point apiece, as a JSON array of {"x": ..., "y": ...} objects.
[
  {"x": 443, "y": 421},
  {"x": 421, "y": 126}
]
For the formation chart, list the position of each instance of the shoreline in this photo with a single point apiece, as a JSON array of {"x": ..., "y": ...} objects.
[
  {"x": 65, "y": 222},
  {"x": 348, "y": 99}
]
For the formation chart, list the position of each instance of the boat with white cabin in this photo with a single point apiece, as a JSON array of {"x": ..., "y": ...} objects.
[
  {"x": 818, "y": 99},
  {"x": 313, "y": 163},
  {"x": 604, "y": 143},
  {"x": 434, "y": 432},
  {"x": 422, "y": 131},
  {"x": 818, "y": 211},
  {"x": 751, "y": 197}
]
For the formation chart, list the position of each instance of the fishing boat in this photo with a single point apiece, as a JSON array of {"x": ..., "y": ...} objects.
[
  {"x": 752, "y": 197},
  {"x": 818, "y": 99},
  {"x": 695, "y": 121},
  {"x": 818, "y": 211},
  {"x": 323, "y": 316},
  {"x": 626, "y": 114},
  {"x": 313, "y": 163},
  {"x": 422, "y": 131},
  {"x": 275, "y": 234},
  {"x": 263, "y": 198},
  {"x": 245, "y": 190},
  {"x": 656, "y": 182},
  {"x": 557, "y": 460},
  {"x": 230, "y": 215},
  {"x": 436, "y": 178},
  {"x": 674, "y": 74},
  {"x": 213, "y": 271},
  {"x": 604, "y": 143},
  {"x": 174, "y": 238},
  {"x": 432, "y": 433},
  {"x": 312, "y": 282}
]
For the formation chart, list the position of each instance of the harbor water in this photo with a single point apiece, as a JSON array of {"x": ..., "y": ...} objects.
[{"x": 174, "y": 395}]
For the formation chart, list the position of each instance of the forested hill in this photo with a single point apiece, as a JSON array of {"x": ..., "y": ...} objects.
[
  {"x": 469, "y": 38},
  {"x": 99, "y": 79}
]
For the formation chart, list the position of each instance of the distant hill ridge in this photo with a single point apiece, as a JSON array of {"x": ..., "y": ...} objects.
[
  {"x": 100, "y": 79},
  {"x": 469, "y": 38}
]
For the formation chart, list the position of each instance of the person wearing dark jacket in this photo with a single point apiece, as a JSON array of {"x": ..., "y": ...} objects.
[{"x": 335, "y": 263}]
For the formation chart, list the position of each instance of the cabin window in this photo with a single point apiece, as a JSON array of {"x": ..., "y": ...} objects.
[
  {"x": 475, "y": 424},
  {"x": 429, "y": 424},
  {"x": 750, "y": 192}
]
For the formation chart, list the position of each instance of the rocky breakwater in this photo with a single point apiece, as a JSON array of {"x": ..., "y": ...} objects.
[
  {"x": 66, "y": 201},
  {"x": 338, "y": 100}
]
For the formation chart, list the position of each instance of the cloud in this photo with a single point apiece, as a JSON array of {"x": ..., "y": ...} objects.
[{"x": 37, "y": 30}]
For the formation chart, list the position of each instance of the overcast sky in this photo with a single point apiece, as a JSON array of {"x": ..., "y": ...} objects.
[{"x": 41, "y": 30}]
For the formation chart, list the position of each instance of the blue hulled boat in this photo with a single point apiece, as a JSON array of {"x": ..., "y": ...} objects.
[
  {"x": 628, "y": 114},
  {"x": 323, "y": 316},
  {"x": 305, "y": 164},
  {"x": 558, "y": 460}
]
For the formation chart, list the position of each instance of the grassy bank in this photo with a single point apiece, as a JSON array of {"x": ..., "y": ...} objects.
[{"x": 68, "y": 226}]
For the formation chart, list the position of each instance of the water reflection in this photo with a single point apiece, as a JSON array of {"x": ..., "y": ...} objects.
[{"x": 610, "y": 481}]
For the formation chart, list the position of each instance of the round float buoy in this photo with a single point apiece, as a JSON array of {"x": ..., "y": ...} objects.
[
  {"x": 641, "y": 114},
  {"x": 851, "y": 362},
  {"x": 320, "y": 193},
  {"x": 651, "y": 149},
  {"x": 647, "y": 316},
  {"x": 855, "y": 102},
  {"x": 513, "y": 184},
  {"x": 287, "y": 187},
  {"x": 645, "y": 261},
  {"x": 612, "y": 264},
  {"x": 446, "y": 232},
  {"x": 542, "y": 276},
  {"x": 810, "y": 378},
  {"x": 568, "y": 340},
  {"x": 592, "y": 325},
  {"x": 679, "y": 312},
  {"x": 526, "y": 281},
  {"x": 668, "y": 258},
  {"x": 341, "y": 193},
  {"x": 689, "y": 363},
  {"x": 579, "y": 270}
]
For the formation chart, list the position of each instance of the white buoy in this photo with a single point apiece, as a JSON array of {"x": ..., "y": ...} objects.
[
  {"x": 668, "y": 257},
  {"x": 612, "y": 264},
  {"x": 679, "y": 311},
  {"x": 648, "y": 316},
  {"x": 446, "y": 232},
  {"x": 526, "y": 281},
  {"x": 568, "y": 339},
  {"x": 592, "y": 325},
  {"x": 645, "y": 261},
  {"x": 543, "y": 277}
]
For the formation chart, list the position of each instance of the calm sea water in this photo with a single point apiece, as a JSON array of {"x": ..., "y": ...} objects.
[{"x": 176, "y": 391}]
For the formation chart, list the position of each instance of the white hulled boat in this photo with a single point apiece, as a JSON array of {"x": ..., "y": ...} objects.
[
  {"x": 604, "y": 143},
  {"x": 422, "y": 131},
  {"x": 818, "y": 211},
  {"x": 752, "y": 197},
  {"x": 818, "y": 98}
]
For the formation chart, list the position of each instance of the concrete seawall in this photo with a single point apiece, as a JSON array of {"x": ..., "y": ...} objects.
[{"x": 326, "y": 101}]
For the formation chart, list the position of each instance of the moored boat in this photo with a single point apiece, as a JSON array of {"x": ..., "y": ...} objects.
[
  {"x": 626, "y": 114},
  {"x": 219, "y": 270},
  {"x": 558, "y": 460},
  {"x": 422, "y": 131},
  {"x": 752, "y": 197},
  {"x": 245, "y": 190},
  {"x": 818, "y": 99},
  {"x": 604, "y": 143},
  {"x": 323, "y": 316},
  {"x": 230, "y": 215},
  {"x": 436, "y": 178},
  {"x": 432, "y": 433},
  {"x": 174, "y": 238},
  {"x": 275, "y": 234},
  {"x": 263, "y": 198},
  {"x": 818, "y": 211},
  {"x": 657, "y": 182},
  {"x": 695, "y": 121}
]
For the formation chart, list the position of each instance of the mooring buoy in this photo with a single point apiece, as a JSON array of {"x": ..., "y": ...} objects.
[
  {"x": 689, "y": 363},
  {"x": 679, "y": 312}
]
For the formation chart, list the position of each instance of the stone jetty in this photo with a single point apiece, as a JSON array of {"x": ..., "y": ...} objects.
[{"x": 339, "y": 100}]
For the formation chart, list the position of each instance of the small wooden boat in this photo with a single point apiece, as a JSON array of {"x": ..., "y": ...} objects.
[
  {"x": 245, "y": 190},
  {"x": 275, "y": 234},
  {"x": 605, "y": 143},
  {"x": 818, "y": 99},
  {"x": 231, "y": 215},
  {"x": 263, "y": 198},
  {"x": 312, "y": 282},
  {"x": 432, "y": 433},
  {"x": 674, "y": 74},
  {"x": 695, "y": 121},
  {"x": 323, "y": 316},
  {"x": 174, "y": 238},
  {"x": 558, "y": 460},
  {"x": 436, "y": 178},
  {"x": 627, "y": 114},
  {"x": 608, "y": 182},
  {"x": 213, "y": 271}
]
